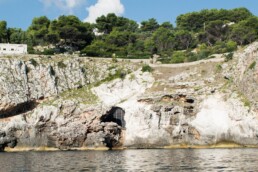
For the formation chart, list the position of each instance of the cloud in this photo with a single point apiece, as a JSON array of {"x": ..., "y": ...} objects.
[
  {"x": 65, "y": 5},
  {"x": 103, "y": 7}
]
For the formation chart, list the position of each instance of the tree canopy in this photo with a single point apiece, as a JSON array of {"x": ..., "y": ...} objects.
[{"x": 195, "y": 36}]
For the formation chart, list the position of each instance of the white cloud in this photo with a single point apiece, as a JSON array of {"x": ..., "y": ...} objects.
[
  {"x": 65, "y": 5},
  {"x": 103, "y": 7}
]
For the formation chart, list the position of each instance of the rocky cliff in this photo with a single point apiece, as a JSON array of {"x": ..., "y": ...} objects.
[{"x": 81, "y": 103}]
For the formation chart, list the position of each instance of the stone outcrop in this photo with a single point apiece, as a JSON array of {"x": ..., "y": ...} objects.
[{"x": 81, "y": 103}]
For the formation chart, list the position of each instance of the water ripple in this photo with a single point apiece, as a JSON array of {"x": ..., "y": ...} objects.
[{"x": 132, "y": 160}]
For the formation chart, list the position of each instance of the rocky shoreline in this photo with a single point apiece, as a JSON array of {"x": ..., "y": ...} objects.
[
  {"x": 72, "y": 103},
  {"x": 51, "y": 149}
]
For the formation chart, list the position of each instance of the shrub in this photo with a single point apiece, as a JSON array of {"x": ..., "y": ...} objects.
[
  {"x": 120, "y": 73},
  {"x": 34, "y": 62},
  {"x": 203, "y": 54},
  {"x": 218, "y": 68},
  {"x": 231, "y": 46},
  {"x": 31, "y": 50},
  {"x": 146, "y": 68},
  {"x": 61, "y": 64},
  {"x": 252, "y": 65},
  {"x": 48, "y": 52},
  {"x": 229, "y": 56},
  {"x": 178, "y": 57},
  {"x": 114, "y": 59}
]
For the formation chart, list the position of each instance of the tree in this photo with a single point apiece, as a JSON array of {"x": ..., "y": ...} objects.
[
  {"x": 245, "y": 31},
  {"x": 99, "y": 48},
  {"x": 251, "y": 22},
  {"x": 243, "y": 34},
  {"x": 215, "y": 31},
  {"x": 183, "y": 39},
  {"x": 52, "y": 38},
  {"x": 238, "y": 14},
  {"x": 196, "y": 21},
  {"x": 17, "y": 36},
  {"x": 39, "y": 28},
  {"x": 71, "y": 32},
  {"x": 124, "y": 24},
  {"x": 149, "y": 25},
  {"x": 167, "y": 25},
  {"x": 107, "y": 23},
  {"x": 120, "y": 39},
  {"x": 3, "y": 31},
  {"x": 163, "y": 39}
]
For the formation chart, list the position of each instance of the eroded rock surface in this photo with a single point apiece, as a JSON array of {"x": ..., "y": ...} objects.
[{"x": 85, "y": 103}]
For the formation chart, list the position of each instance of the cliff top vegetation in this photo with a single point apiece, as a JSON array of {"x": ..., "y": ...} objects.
[{"x": 196, "y": 36}]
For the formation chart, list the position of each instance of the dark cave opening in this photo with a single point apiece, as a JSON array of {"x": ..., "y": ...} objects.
[
  {"x": 18, "y": 109},
  {"x": 116, "y": 114},
  {"x": 189, "y": 100}
]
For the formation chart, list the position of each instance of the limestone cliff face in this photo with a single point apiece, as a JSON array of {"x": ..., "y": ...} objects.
[
  {"x": 89, "y": 103},
  {"x": 24, "y": 80},
  {"x": 245, "y": 73}
]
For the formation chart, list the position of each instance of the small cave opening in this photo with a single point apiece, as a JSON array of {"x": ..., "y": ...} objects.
[
  {"x": 188, "y": 110},
  {"x": 189, "y": 100},
  {"x": 18, "y": 109},
  {"x": 116, "y": 114}
]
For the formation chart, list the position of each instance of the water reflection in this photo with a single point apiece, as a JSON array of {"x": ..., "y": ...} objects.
[{"x": 132, "y": 160}]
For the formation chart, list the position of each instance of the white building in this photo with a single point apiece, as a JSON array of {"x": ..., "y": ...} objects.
[{"x": 10, "y": 49}]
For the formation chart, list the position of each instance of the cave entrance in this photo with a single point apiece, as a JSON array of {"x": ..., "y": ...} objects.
[
  {"x": 18, "y": 109},
  {"x": 116, "y": 114}
]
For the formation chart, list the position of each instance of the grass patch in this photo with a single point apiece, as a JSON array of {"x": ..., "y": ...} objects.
[
  {"x": 132, "y": 77},
  {"x": 83, "y": 95},
  {"x": 120, "y": 73},
  {"x": 246, "y": 102},
  {"x": 218, "y": 68}
]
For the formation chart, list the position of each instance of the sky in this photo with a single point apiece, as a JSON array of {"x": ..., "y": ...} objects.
[{"x": 19, "y": 13}]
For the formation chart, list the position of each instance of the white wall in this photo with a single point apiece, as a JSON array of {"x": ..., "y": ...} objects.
[{"x": 13, "y": 49}]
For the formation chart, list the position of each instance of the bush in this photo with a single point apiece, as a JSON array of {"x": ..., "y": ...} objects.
[
  {"x": 48, "y": 52},
  {"x": 146, "y": 68},
  {"x": 252, "y": 65},
  {"x": 203, "y": 54},
  {"x": 218, "y": 68},
  {"x": 31, "y": 50},
  {"x": 229, "y": 56},
  {"x": 192, "y": 57},
  {"x": 34, "y": 62},
  {"x": 120, "y": 73},
  {"x": 178, "y": 57},
  {"x": 231, "y": 46},
  {"x": 61, "y": 64}
]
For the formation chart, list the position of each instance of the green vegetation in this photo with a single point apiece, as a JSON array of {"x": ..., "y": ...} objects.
[
  {"x": 61, "y": 64},
  {"x": 196, "y": 36},
  {"x": 246, "y": 102},
  {"x": 34, "y": 62},
  {"x": 119, "y": 73},
  {"x": 229, "y": 56},
  {"x": 83, "y": 95},
  {"x": 218, "y": 67},
  {"x": 252, "y": 65},
  {"x": 244, "y": 99},
  {"x": 146, "y": 68}
]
